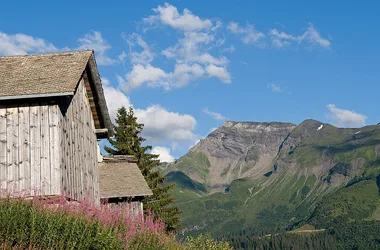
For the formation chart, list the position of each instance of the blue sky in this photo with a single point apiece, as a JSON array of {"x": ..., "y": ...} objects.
[{"x": 187, "y": 66}]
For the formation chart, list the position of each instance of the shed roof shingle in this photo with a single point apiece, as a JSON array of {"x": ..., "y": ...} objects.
[
  {"x": 42, "y": 74},
  {"x": 121, "y": 179}
]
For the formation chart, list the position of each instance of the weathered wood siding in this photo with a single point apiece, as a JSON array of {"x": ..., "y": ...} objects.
[
  {"x": 80, "y": 174},
  {"x": 128, "y": 208},
  {"x": 29, "y": 149}
]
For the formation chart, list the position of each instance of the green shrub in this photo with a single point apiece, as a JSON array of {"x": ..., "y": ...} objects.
[{"x": 205, "y": 242}]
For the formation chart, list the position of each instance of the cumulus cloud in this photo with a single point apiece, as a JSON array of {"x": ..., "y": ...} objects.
[
  {"x": 249, "y": 34},
  {"x": 146, "y": 74},
  {"x": 186, "y": 21},
  {"x": 192, "y": 62},
  {"x": 155, "y": 77},
  {"x": 115, "y": 99},
  {"x": 311, "y": 36},
  {"x": 345, "y": 118},
  {"x": 214, "y": 115},
  {"x": 219, "y": 72},
  {"x": 161, "y": 124},
  {"x": 191, "y": 48},
  {"x": 184, "y": 73},
  {"x": 163, "y": 154},
  {"x": 145, "y": 56},
  {"x": 275, "y": 87},
  {"x": 94, "y": 41},
  {"x": 21, "y": 44},
  {"x": 191, "y": 52}
]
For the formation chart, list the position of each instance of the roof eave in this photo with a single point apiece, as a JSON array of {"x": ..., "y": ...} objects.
[
  {"x": 32, "y": 96},
  {"x": 101, "y": 98},
  {"x": 126, "y": 196}
]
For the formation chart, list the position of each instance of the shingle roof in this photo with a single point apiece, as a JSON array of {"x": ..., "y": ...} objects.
[
  {"x": 42, "y": 74},
  {"x": 51, "y": 74},
  {"x": 121, "y": 179}
]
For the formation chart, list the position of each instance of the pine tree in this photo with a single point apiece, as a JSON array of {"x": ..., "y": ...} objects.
[{"x": 128, "y": 141}]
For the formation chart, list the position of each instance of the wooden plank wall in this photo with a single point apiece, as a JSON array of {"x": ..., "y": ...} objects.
[
  {"x": 129, "y": 208},
  {"x": 29, "y": 150},
  {"x": 80, "y": 174}
]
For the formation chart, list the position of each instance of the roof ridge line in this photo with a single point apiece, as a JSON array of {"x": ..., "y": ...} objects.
[{"x": 52, "y": 53}]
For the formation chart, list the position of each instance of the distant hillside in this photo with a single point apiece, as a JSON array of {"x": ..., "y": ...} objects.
[{"x": 271, "y": 176}]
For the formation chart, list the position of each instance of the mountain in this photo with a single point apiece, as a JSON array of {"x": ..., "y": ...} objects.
[{"x": 270, "y": 176}]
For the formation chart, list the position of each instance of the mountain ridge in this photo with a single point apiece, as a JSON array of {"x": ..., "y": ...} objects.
[{"x": 248, "y": 170}]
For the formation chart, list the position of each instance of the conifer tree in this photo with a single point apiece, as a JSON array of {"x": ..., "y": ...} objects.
[{"x": 128, "y": 141}]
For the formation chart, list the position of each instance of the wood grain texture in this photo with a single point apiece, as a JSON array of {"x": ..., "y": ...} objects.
[
  {"x": 24, "y": 146},
  {"x": 3, "y": 147},
  {"x": 79, "y": 162},
  {"x": 29, "y": 149}
]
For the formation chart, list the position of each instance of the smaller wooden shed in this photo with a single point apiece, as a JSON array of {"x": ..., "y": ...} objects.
[{"x": 121, "y": 183}]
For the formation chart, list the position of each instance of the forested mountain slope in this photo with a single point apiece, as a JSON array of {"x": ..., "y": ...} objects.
[{"x": 248, "y": 177}]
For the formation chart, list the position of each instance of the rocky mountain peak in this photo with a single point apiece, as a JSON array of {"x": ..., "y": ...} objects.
[{"x": 233, "y": 150}]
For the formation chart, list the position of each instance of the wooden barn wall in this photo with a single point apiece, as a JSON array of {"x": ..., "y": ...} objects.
[
  {"x": 129, "y": 209},
  {"x": 29, "y": 149},
  {"x": 80, "y": 174}
]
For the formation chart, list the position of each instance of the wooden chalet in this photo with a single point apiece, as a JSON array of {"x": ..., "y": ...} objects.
[{"x": 52, "y": 111}]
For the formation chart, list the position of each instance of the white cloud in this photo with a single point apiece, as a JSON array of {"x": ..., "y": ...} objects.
[
  {"x": 191, "y": 53},
  {"x": 311, "y": 36},
  {"x": 219, "y": 72},
  {"x": 155, "y": 77},
  {"x": 105, "y": 81},
  {"x": 94, "y": 41},
  {"x": 214, "y": 115},
  {"x": 169, "y": 15},
  {"x": 115, "y": 99},
  {"x": 281, "y": 39},
  {"x": 191, "y": 48},
  {"x": 163, "y": 154},
  {"x": 229, "y": 49},
  {"x": 122, "y": 56},
  {"x": 345, "y": 118},
  {"x": 21, "y": 44},
  {"x": 161, "y": 124},
  {"x": 146, "y": 74},
  {"x": 183, "y": 73},
  {"x": 275, "y": 87},
  {"x": 249, "y": 34},
  {"x": 145, "y": 56}
]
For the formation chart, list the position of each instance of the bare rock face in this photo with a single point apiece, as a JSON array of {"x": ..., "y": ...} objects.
[
  {"x": 240, "y": 149},
  {"x": 255, "y": 149}
]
